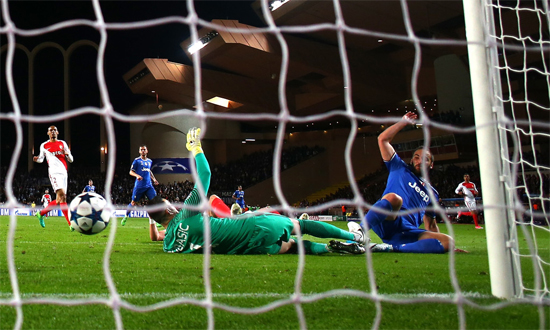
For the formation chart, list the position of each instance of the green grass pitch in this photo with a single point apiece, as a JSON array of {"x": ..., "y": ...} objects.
[{"x": 54, "y": 263}]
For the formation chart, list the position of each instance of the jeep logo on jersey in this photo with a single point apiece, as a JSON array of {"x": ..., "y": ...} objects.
[
  {"x": 421, "y": 192},
  {"x": 170, "y": 165}
]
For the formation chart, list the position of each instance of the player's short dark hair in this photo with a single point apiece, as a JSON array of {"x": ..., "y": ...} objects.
[
  {"x": 432, "y": 158},
  {"x": 158, "y": 215},
  {"x": 466, "y": 174},
  {"x": 143, "y": 145}
]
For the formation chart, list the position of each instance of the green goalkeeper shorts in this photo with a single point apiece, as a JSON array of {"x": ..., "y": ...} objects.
[{"x": 269, "y": 232}]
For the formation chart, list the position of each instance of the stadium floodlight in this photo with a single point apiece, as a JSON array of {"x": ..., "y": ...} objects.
[
  {"x": 219, "y": 101},
  {"x": 250, "y": 140},
  {"x": 195, "y": 47},
  {"x": 274, "y": 5},
  {"x": 203, "y": 41}
]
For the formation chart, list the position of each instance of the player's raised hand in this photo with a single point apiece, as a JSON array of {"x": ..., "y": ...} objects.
[
  {"x": 410, "y": 117},
  {"x": 193, "y": 141}
]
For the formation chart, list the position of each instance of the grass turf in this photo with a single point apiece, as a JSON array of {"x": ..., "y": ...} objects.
[{"x": 54, "y": 263}]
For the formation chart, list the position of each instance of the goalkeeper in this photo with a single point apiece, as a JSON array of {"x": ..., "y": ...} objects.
[{"x": 265, "y": 233}]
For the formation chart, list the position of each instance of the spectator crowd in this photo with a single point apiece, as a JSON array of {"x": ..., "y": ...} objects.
[
  {"x": 444, "y": 178},
  {"x": 28, "y": 188}
]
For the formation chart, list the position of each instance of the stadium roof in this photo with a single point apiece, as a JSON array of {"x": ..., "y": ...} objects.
[{"x": 243, "y": 69}]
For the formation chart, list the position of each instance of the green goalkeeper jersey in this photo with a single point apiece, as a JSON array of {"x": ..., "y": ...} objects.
[
  {"x": 228, "y": 236},
  {"x": 249, "y": 234}
]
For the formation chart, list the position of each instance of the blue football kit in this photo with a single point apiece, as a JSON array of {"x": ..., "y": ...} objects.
[
  {"x": 414, "y": 192},
  {"x": 143, "y": 187},
  {"x": 89, "y": 188},
  {"x": 239, "y": 194}
]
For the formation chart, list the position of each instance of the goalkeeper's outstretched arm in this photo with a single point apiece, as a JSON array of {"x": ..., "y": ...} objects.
[{"x": 203, "y": 171}]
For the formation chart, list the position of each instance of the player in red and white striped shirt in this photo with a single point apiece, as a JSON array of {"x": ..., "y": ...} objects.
[
  {"x": 57, "y": 154},
  {"x": 469, "y": 191},
  {"x": 46, "y": 198}
]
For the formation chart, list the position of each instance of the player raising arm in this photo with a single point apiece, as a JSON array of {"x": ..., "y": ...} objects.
[
  {"x": 405, "y": 191},
  {"x": 263, "y": 233},
  {"x": 57, "y": 154}
]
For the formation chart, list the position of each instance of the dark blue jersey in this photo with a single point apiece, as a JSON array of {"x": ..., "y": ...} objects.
[
  {"x": 143, "y": 168},
  {"x": 414, "y": 191},
  {"x": 239, "y": 194},
  {"x": 89, "y": 188}
]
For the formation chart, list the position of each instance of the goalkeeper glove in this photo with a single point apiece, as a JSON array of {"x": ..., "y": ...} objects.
[{"x": 193, "y": 141}]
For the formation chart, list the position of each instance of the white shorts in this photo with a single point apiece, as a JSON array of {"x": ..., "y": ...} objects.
[
  {"x": 59, "y": 181},
  {"x": 471, "y": 205}
]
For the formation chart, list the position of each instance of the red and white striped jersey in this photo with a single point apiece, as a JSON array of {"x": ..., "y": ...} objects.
[
  {"x": 46, "y": 199},
  {"x": 468, "y": 189},
  {"x": 54, "y": 152}
]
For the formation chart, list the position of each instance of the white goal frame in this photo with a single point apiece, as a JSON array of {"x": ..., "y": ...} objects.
[
  {"x": 499, "y": 224},
  {"x": 499, "y": 168}
]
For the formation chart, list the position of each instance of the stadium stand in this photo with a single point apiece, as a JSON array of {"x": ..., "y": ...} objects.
[{"x": 251, "y": 169}]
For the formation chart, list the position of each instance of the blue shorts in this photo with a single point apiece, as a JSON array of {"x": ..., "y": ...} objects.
[
  {"x": 240, "y": 202},
  {"x": 396, "y": 232},
  {"x": 138, "y": 193}
]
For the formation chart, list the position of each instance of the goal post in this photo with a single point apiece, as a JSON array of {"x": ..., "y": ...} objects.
[{"x": 505, "y": 272}]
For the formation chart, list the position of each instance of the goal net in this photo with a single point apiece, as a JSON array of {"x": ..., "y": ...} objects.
[
  {"x": 517, "y": 144},
  {"x": 511, "y": 88}
]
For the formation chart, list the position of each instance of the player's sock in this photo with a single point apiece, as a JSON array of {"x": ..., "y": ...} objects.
[
  {"x": 65, "y": 210},
  {"x": 128, "y": 209},
  {"x": 430, "y": 245},
  {"x": 220, "y": 209},
  {"x": 314, "y": 248},
  {"x": 375, "y": 218},
  {"x": 48, "y": 208},
  {"x": 323, "y": 230},
  {"x": 475, "y": 219}
]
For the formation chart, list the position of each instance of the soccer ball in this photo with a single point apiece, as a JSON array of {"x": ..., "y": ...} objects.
[{"x": 88, "y": 215}]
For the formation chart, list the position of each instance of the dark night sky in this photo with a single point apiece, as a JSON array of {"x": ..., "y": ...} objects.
[{"x": 125, "y": 49}]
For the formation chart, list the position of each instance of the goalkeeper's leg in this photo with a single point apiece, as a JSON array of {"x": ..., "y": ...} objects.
[{"x": 322, "y": 230}]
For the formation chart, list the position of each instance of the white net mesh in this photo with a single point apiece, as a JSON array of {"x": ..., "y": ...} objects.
[
  {"x": 521, "y": 35},
  {"x": 529, "y": 129}
]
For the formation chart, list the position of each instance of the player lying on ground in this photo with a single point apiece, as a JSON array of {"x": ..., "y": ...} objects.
[
  {"x": 219, "y": 210},
  {"x": 264, "y": 233},
  {"x": 406, "y": 191}
]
